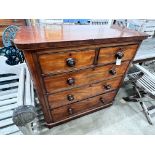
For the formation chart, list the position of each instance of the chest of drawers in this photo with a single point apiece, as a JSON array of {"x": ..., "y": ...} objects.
[{"x": 76, "y": 69}]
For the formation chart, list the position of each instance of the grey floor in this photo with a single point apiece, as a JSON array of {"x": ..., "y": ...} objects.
[{"x": 121, "y": 118}]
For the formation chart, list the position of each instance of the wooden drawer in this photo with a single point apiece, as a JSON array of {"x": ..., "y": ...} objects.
[
  {"x": 110, "y": 54},
  {"x": 77, "y": 94},
  {"x": 83, "y": 106},
  {"x": 71, "y": 79},
  {"x": 68, "y": 60}
]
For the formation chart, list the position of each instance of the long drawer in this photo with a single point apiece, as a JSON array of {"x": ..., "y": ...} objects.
[
  {"x": 83, "y": 106},
  {"x": 77, "y": 94},
  {"x": 82, "y": 77},
  {"x": 67, "y": 60},
  {"x": 109, "y": 55}
]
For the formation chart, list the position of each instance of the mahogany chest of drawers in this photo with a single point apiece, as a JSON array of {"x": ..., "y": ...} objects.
[{"x": 76, "y": 69}]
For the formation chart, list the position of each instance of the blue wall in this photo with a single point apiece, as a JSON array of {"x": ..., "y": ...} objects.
[{"x": 81, "y": 21}]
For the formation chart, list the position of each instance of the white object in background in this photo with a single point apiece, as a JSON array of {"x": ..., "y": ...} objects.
[{"x": 16, "y": 90}]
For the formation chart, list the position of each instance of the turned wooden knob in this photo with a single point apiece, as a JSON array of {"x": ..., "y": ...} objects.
[
  {"x": 107, "y": 86},
  {"x": 70, "y": 81},
  {"x": 70, "y": 111},
  {"x": 70, "y": 97},
  {"x": 112, "y": 71},
  {"x": 119, "y": 55},
  {"x": 102, "y": 100},
  {"x": 70, "y": 62}
]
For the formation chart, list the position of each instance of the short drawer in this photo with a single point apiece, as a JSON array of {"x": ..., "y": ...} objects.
[
  {"x": 77, "y": 94},
  {"x": 72, "y": 79},
  {"x": 65, "y": 61},
  {"x": 83, "y": 106},
  {"x": 110, "y": 54}
]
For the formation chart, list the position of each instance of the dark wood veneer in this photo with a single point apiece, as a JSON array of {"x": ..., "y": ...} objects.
[
  {"x": 83, "y": 106},
  {"x": 83, "y": 92},
  {"x": 81, "y": 77},
  {"x": 57, "y": 62}
]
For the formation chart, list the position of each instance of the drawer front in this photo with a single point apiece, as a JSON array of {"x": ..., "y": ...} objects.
[
  {"x": 65, "y": 61},
  {"x": 109, "y": 55},
  {"x": 76, "y": 94},
  {"x": 68, "y": 80},
  {"x": 83, "y": 106}
]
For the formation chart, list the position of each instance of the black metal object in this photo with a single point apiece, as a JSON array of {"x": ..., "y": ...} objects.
[
  {"x": 9, "y": 34},
  {"x": 14, "y": 55}
]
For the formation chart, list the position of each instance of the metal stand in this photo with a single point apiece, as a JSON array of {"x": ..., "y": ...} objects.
[{"x": 144, "y": 84}]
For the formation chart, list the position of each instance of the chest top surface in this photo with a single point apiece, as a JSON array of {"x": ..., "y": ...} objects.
[{"x": 37, "y": 36}]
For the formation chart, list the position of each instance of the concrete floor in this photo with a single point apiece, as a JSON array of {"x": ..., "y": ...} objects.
[{"x": 121, "y": 118}]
